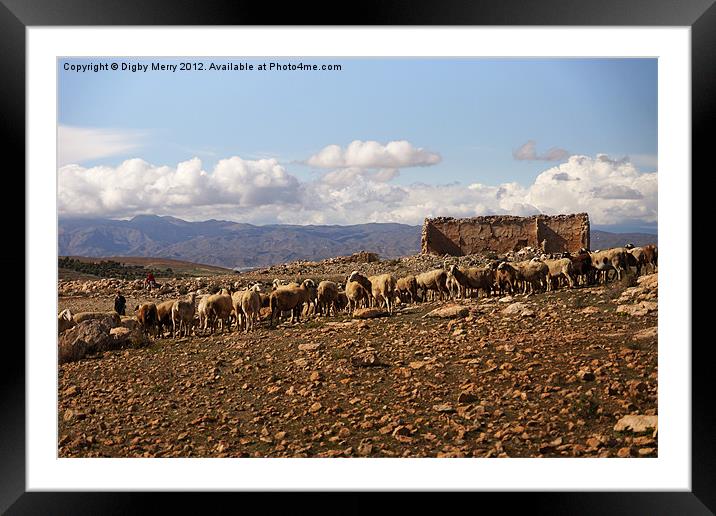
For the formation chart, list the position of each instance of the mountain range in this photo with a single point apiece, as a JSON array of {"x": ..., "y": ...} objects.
[{"x": 238, "y": 245}]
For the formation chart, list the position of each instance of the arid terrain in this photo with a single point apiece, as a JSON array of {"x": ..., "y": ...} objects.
[{"x": 544, "y": 375}]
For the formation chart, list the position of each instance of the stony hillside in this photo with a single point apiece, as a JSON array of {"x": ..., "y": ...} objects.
[{"x": 570, "y": 373}]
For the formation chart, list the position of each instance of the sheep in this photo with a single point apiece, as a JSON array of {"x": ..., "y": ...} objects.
[
  {"x": 651, "y": 256},
  {"x": 64, "y": 320},
  {"x": 218, "y": 310},
  {"x": 407, "y": 288},
  {"x": 534, "y": 275},
  {"x": 312, "y": 305},
  {"x": 164, "y": 316},
  {"x": 327, "y": 294},
  {"x": 277, "y": 283},
  {"x": 559, "y": 269},
  {"x": 356, "y": 294},
  {"x": 608, "y": 260},
  {"x": 383, "y": 289},
  {"x": 434, "y": 280},
  {"x": 340, "y": 302},
  {"x": 291, "y": 298},
  {"x": 453, "y": 286},
  {"x": 636, "y": 257},
  {"x": 482, "y": 278},
  {"x": 473, "y": 278},
  {"x": 183, "y": 315},
  {"x": 355, "y": 276},
  {"x": 507, "y": 276},
  {"x": 582, "y": 266},
  {"x": 236, "y": 308},
  {"x": 246, "y": 306},
  {"x": 201, "y": 312},
  {"x": 148, "y": 318}
]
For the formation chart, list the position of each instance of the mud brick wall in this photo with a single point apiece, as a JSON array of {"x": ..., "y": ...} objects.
[
  {"x": 563, "y": 232},
  {"x": 503, "y": 233}
]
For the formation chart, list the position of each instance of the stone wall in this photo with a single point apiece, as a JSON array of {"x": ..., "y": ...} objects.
[{"x": 503, "y": 233}]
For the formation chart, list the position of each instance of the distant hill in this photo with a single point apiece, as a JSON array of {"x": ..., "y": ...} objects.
[
  {"x": 236, "y": 245},
  {"x": 230, "y": 244},
  {"x": 605, "y": 239}
]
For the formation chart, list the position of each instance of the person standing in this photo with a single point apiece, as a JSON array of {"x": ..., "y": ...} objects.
[
  {"x": 150, "y": 282},
  {"x": 119, "y": 303}
]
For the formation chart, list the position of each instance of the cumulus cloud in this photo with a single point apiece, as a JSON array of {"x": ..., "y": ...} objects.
[
  {"x": 79, "y": 144},
  {"x": 611, "y": 191},
  {"x": 528, "y": 152},
  {"x": 263, "y": 191},
  {"x": 371, "y": 154},
  {"x": 136, "y": 186},
  {"x": 345, "y": 176}
]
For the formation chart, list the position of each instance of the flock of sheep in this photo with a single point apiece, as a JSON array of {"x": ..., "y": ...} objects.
[{"x": 544, "y": 273}]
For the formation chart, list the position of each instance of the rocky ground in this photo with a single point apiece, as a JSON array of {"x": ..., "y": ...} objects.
[{"x": 548, "y": 375}]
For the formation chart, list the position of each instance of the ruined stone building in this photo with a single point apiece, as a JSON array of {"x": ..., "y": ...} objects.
[{"x": 503, "y": 233}]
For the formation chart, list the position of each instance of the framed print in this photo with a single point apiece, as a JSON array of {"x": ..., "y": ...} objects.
[{"x": 419, "y": 252}]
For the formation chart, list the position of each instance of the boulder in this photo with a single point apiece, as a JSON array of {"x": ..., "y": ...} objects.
[
  {"x": 84, "y": 338},
  {"x": 637, "y": 423},
  {"x": 369, "y": 313},
  {"x": 64, "y": 321},
  {"x": 520, "y": 309},
  {"x": 111, "y": 318},
  {"x": 131, "y": 323},
  {"x": 124, "y": 337}
]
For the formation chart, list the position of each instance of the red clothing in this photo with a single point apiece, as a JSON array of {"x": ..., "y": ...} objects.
[{"x": 150, "y": 277}]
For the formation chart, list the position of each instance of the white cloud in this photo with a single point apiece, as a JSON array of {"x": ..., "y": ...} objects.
[
  {"x": 263, "y": 191},
  {"x": 79, "y": 144},
  {"x": 136, "y": 186},
  {"x": 611, "y": 191},
  {"x": 371, "y": 154},
  {"x": 528, "y": 151},
  {"x": 345, "y": 176}
]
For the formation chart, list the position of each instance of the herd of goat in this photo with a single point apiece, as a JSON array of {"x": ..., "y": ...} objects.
[{"x": 544, "y": 273}]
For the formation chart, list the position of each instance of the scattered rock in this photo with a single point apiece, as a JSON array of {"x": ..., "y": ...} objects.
[
  {"x": 586, "y": 376},
  {"x": 624, "y": 452},
  {"x": 449, "y": 312},
  {"x": 467, "y": 397},
  {"x": 369, "y": 313},
  {"x": 367, "y": 359},
  {"x": 445, "y": 407},
  {"x": 636, "y": 423},
  {"x": 648, "y": 333},
  {"x": 638, "y": 310},
  {"x": 520, "y": 309},
  {"x": 70, "y": 391}
]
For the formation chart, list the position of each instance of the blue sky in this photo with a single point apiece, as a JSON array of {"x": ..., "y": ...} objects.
[{"x": 472, "y": 113}]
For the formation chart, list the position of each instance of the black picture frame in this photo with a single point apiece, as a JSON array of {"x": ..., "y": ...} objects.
[{"x": 17, "y": 15}]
